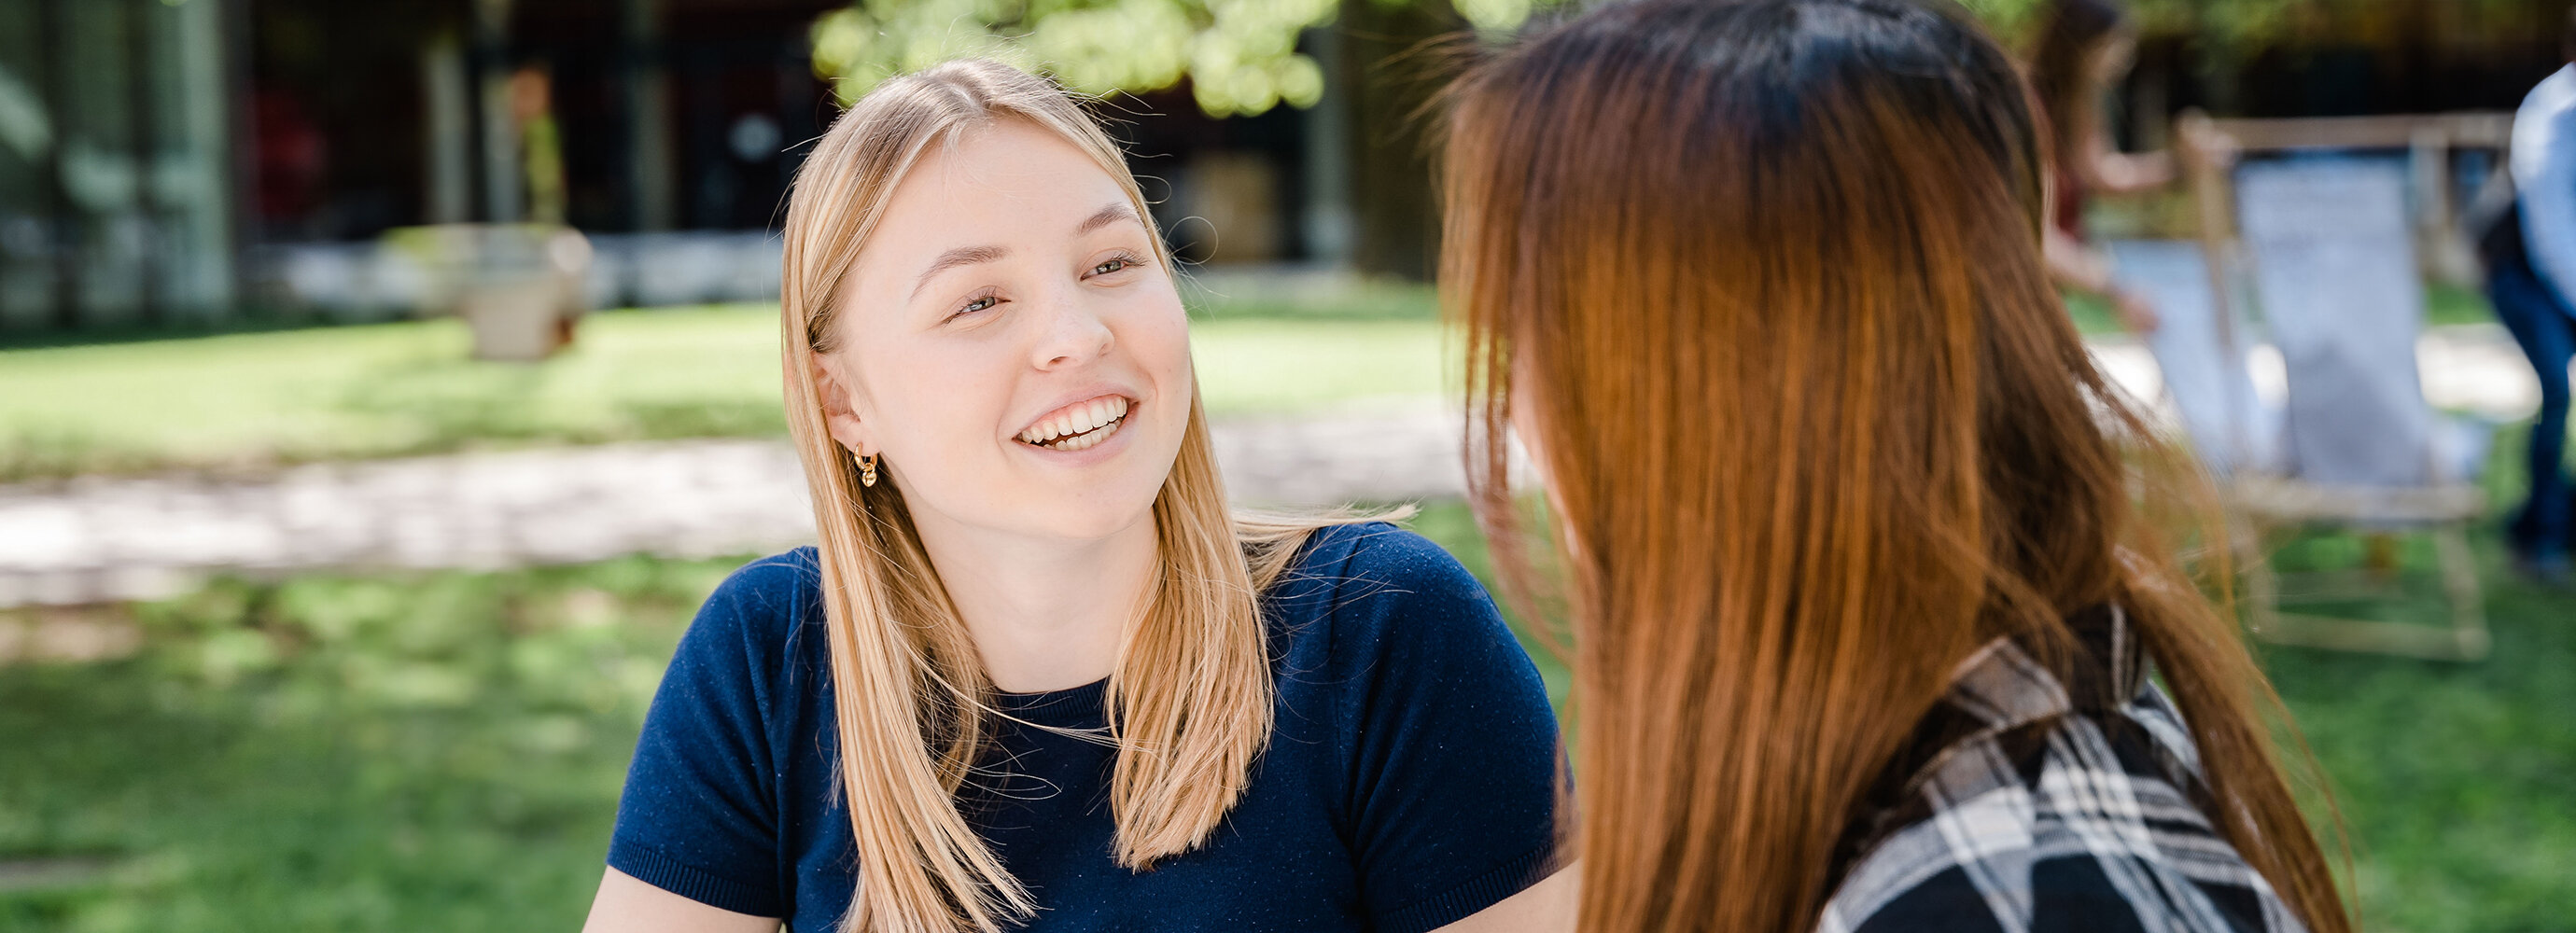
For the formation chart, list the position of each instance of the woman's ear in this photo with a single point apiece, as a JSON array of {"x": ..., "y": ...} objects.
[{"x": 840, "y": 414}]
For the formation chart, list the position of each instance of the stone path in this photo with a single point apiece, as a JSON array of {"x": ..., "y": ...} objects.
[
  {"x": 95, "y": 539},
  {"x": 98, "y": 539}
]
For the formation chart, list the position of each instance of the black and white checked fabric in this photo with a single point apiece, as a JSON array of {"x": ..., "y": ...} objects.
[{"x": 2024, "y": 805}]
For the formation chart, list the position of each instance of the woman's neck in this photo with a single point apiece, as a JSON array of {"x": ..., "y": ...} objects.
[{"x": 1045, "y": 613}]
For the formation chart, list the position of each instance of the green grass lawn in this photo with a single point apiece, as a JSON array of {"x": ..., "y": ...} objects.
[
  {"x": 429, "y": 753},
  {"x": 444, "y": 751},
  {"x": 2444, "y": 304},
  {"x": 255, "y": 399}
]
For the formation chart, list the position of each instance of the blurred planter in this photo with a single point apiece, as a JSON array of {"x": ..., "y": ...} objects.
[{"x": 519, "y": 287}]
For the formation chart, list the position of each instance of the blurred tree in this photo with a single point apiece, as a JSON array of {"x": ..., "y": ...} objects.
[
  {"x": 1239, "y": 56},
  {"x": 1243, "y": 57},
  {"x": 2241, "y": 27}
]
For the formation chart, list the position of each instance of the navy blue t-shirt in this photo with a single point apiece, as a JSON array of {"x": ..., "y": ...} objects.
[{"x": 1409, "y": 781}]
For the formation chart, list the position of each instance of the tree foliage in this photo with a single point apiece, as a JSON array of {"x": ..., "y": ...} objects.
[
  {"x": 1239, "y": 56},
  {"x": 2242, "y": 26}
]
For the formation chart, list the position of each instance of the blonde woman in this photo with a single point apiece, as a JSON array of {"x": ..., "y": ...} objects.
[{"x": 1037, "y": 675}]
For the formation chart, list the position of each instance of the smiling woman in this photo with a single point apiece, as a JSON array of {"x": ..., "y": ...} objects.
[{"x": 1038, "y": 675}]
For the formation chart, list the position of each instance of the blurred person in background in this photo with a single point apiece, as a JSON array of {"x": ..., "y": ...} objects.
[
  {"x": 1869, "y": 632},
  {"x": 532, "y": 112},
  {"x": 2530, "y": 255},
  {"x": 1039, "y": 675},
  {"x": 2085, "y": 48}
]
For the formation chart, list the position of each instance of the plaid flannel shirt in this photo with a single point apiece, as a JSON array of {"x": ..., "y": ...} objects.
[{"x": 2024, "y": 805}]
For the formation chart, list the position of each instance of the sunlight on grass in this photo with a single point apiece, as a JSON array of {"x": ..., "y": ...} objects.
[
  {"x": 444, "y": 751},
  {"x": 261, "y": 399},
  {"x": 412, "y": 752},
  {"x": 1248, "y": 366},
  {"x": 408, "y": 388}
]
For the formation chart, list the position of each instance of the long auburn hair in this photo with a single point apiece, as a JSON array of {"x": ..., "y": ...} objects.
[
  {"x": 1190, "y": 700},
  {"x": 1762, "y": 281}
]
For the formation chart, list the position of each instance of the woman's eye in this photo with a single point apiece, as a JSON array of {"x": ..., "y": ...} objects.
[
  {"x": 979, "y": 304},
  {"x": 1116, "y": 264}
]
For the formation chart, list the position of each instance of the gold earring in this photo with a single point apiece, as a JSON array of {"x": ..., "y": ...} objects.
[{"x": 867, "y": 468}]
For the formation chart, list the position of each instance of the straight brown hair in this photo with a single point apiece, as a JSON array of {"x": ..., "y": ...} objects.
[{"x": 1761, "y": 283}]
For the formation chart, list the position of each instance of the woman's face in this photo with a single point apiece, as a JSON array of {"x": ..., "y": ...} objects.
[{"x": 1009, "y": 343}]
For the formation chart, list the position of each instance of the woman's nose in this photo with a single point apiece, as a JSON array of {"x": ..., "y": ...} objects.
[{"x": 1074, "y": 334}]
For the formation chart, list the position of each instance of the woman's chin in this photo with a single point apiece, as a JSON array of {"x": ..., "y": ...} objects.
[
  {"x": 1099, "y": 515},
  {"x": 1099, "y": 503}
]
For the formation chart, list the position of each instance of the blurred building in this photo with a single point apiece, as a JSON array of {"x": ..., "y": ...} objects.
[
  {"x": 2330, "y": 58},
  {"x": 118, "y": 199},
  {"x": 164, "y": 162}
]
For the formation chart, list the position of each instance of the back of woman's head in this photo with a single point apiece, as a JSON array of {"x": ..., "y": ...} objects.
[{"x": 1759, "y": 283}]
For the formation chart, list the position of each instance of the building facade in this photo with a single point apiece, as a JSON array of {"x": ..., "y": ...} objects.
[{"x": 172, "y": 163}]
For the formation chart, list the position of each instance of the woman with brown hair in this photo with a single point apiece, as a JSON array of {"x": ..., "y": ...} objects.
[
  {"x": 1864, "y": 617},
  {"x": 2084, "y": 48}
]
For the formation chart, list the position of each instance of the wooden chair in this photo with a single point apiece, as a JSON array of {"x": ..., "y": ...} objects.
[{"x": 2329, "y": 254}]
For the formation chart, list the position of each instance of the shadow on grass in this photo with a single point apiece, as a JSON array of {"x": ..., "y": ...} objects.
[
  {"x": 444, "y": 751},
  {"x": 439, "y": 751}
]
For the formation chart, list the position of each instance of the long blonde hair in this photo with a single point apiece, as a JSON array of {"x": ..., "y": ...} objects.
[{"x": 1189, "y": 702}]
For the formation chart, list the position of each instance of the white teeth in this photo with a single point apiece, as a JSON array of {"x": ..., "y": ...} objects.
[
  {"x": 1094, "y": 422},
  {"x": 1088, "y": 441}
]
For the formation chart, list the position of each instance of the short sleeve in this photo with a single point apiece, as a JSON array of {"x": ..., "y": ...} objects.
[
  {"x": 1454, "y": 750},
  {"x": 699, "y": 816}
]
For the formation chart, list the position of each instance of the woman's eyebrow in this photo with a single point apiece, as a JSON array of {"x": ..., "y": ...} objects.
[
  {"x": 971, "y": 255},
  {"x": 1108, "y": 214},
  {"x": 961, "y": 256}
]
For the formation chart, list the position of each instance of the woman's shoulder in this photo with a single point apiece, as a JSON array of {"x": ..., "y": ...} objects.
[
  {"x": 1377, "y": 571},
  {"x": 2081, "y": 818},
  {"x": 760, "y": 607},
  {"x": 1372, "y": 601},
  {"x": 1376, "y": 552},
  {"x": 790, "y": 573}
]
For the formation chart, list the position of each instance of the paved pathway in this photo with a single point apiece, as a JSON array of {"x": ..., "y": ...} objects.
[
  {"x": 94, "y": 539},
  {"x": 97, "y": 539}
]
